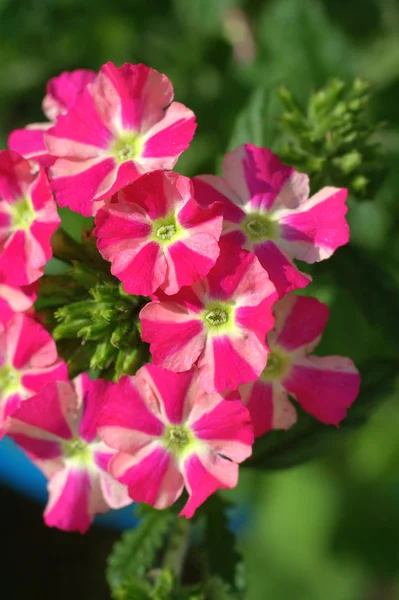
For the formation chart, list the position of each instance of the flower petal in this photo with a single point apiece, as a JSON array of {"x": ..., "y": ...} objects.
[
  {"x": 324, "y": 386},
  {"x": 318, "y": 228},
  {"x": 299, "y": 324}
]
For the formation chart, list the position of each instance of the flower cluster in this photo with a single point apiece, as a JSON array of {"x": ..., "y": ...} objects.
[{"x": 229, "y": 339}]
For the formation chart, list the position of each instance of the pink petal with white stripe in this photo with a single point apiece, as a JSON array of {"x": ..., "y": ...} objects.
[
  {"x": 57, "y": 430},
  {"x": 281, "y": 269},
  {"x": 29, "y": 143},
  {"x": 28, "y": 218},
  {"x": 324, "y": 386},
  {"x": 125, "y": 118},
  {"x": 267, "y": 211},
  {"x": 15, "y": 299},
  {"x": 197, "y": 431},
  {"x": 28, "y": 360},
  {"x": 256, "y": 175},
  {"x": 61, "y": 91},
  {"x": 205, "y": 474},
  {"x": 268, "y": 405},
  {"x": 153, "y": 478},
  {"x": 225, "y": 333},
  {"x": 315, "y": 230},
  {"x": 176, "y": 338},
  {"x": 299, "y": 323},
  {"x": 74, "y": 499},
  {"x": 156, "y": 235}
]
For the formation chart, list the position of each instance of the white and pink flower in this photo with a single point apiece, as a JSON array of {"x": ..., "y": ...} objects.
[
  {"x": 60, "y": 96},
  {"x": 28, "y": 218},
  {"x": 28, "y": 360},
  {"x": 57, "y": 429},
  {"x": 219, "y": 323},
  {"x": 121, "y": 126},
  {"x": 268, "y": 211},
  {"x": 171, "y": 435},
  {"x": 325, "y": 387},
  {"x": 156, "y": 235}
]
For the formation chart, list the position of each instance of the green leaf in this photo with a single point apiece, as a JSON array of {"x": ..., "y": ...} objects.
[
  {"x": 258, "y": 121},
  {"x": 220, "y": 541},
  {"x": 203, "y": 16},
  {"x": 134, "y": 589},
  {"x": 302, "y": 44},
  {"x": 372, "y": 286},
  {"x": 309, "y": 439},
  {"x": 135, "y": 552}
]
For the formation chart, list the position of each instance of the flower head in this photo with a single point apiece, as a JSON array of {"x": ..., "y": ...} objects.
[
  {"x": 156, "y": 235},
  {"x": 122, "y": 125},
  {"x": 28, "y": 218},
  {"x": 28, "y": 360},
  {"x": 325, "y": 387},
  {"x": 267, "y": 211},
  {"x": 170, "y": 434},
  {"x": 60, "y": 96},
  {"x": 220, "y": 323},
  {"x": 57, "y": 429}
]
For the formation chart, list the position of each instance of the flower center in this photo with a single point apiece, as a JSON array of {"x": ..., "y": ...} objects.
[
  {"x": 178, "y": 439},
  {"x": 259, "y": 227},
  {"x": 166, "y": 229},
  {"x": 178, "y": 436},
  {"x": 128, "y": 147},
  {"x": 77, "y": 449},
  {"x": 9, "y": 380},
  {"x": 165, "y": 232},
  {"x": 217, "y": 316},
  {"x": 277, "y": 365},
  {"x": 22, "y": 213}
]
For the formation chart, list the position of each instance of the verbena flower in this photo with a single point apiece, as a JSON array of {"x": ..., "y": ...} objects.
[
  {"x": 28, "y": 218},
  {"x": 156, "y": 235},
  {"x": 15, "y": 299},
  {"x": 171, "y": 435},
  {"x": 28, "y": 360},
  {"x": 325, "y": 387},
  {"x": 267, "y": 211},
  {"x": 57, "y": 429},
  {"x": 60, "y": 96},
  {"x": 122, "y": 125},
  {"x": 220, "y": 323}
]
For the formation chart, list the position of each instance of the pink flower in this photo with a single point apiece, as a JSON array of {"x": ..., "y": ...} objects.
[
  {"x": 121, "y": 126},
  {"x": 325, "y": 387},
  {"x": 28, "y": 218},
  {"x": 57, "y": 429},
  {"x": 14, "y": 299},
  {"x": 60, "y": 97},
  {"x": 220, "y": 323},
  {"x": 267, "y": 211},
  {"x": 170, "y": 434},
  {"x": 156, "y": 235},
  {"x": 28, "y": 360}
]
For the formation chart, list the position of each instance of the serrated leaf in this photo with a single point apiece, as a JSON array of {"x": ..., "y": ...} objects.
[
  {"x": 134, "y": 589},
  {"x": 135, "y": 552},
  {"x": 309, "y": 439}
]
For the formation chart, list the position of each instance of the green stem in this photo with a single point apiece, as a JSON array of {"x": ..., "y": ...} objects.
[{"x": 178, "y": 546}]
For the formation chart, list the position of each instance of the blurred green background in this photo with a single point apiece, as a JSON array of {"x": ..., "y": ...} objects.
[{"x": 328, "y": 530}]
